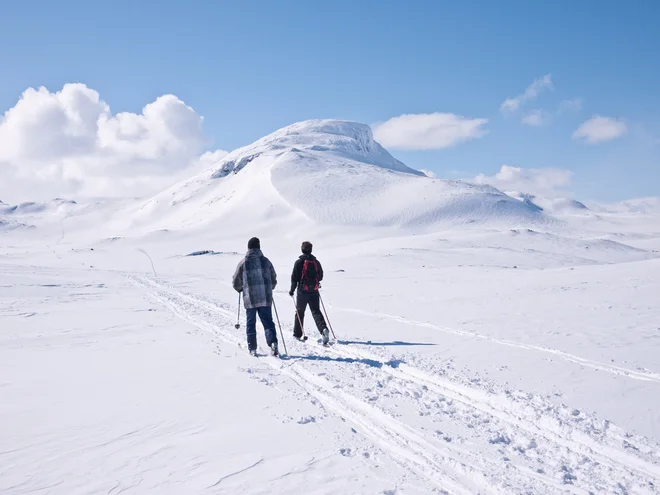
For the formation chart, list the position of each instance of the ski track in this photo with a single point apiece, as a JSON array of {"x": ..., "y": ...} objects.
[
  {"x": 572, "y": 358},
  {"x": 392, "y": 443},
  {"x": 450, "y": 468},
  {"x": 508, "y": 411}
]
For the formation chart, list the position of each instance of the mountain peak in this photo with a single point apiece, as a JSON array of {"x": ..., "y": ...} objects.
[{"x": 352, "y": 140}]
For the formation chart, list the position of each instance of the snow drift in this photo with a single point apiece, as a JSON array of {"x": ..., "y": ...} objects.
[{"x": 326, "y": 172}]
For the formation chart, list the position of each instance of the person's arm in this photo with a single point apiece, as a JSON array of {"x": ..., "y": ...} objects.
[
  {"x": 295, "y": 276},
  {"x": 237, "y": 281},
  {"x": 320, "y": 270},
  {"x": 273, "y": 275}
]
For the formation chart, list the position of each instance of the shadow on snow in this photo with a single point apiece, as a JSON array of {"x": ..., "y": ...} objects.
[
  {"x": 371, "y": 342},
  {"x": 369, "y": 362}
]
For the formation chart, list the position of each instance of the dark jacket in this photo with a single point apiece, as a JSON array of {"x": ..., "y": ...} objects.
[
  {"x": 256, "y": 278},
  {"x": 296, "y": 275}
]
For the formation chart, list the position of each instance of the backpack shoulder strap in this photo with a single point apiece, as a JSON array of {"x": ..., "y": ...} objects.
[{"x": 304, "y": 270}]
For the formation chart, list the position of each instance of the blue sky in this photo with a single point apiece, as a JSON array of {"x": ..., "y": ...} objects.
[{"x": 251, "y": 67}]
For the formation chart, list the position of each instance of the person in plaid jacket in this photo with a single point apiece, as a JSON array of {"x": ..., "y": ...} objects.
[{"x": 255, "y": 277}]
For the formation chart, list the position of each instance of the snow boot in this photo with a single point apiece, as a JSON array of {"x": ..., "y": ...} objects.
[
  {"x": 253, "y": 352},
  {"x": 326, "y": 336},
  {"x": 274, "y": 350}
]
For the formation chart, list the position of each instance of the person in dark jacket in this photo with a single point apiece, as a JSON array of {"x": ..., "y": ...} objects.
[
  {"x": 255, "y": 277},
  {"x": 306, "y": 277}
]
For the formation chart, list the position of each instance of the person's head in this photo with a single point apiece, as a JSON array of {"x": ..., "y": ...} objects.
[
  {"x": 254, "y": 243},
  {"x": 306, "y": 247}
]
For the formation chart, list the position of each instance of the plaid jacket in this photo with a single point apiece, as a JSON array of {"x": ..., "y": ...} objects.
[{"x": 256, "y": 278}]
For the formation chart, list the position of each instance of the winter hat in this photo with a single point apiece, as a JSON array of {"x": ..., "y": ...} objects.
[
  {"x": 254, "y": 243},
  {"x": 306, "y": 247}
]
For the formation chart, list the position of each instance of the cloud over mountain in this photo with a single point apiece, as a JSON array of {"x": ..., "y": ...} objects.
[{"x": 69, "y": 142}]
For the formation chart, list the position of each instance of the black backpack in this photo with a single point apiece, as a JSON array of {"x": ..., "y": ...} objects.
[{"x": 310, "y": 276}]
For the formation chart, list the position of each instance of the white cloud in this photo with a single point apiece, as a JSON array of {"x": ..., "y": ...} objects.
[
  {"x": 532, "y": 91},
  {"x": 600, "y": 129},
  {"x": 69, "y": 143},
  {"x": 535, "y": 118},
  {"x": 574, "y": 105},
  {"x": 548, "y": 182},
  {"x": 429, "y": 173},
  {"x": 210, "y": 158},
  {"x": 428, "y": 131}
]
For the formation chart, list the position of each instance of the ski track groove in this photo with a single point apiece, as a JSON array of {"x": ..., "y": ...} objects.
[
  {"x": 402, "y": 443},
  {"x": 571, "y": 358},
  {"x": 480, "y": 400}
]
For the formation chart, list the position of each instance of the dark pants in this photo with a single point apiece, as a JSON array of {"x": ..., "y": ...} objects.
[
  {"x": 302, "y": 300},
  {"x": 266, "y": 317}
]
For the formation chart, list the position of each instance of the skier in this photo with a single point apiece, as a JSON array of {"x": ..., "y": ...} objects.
[
  {"x": 256, "y": 278},
  {"x": 306, "y": 277}
]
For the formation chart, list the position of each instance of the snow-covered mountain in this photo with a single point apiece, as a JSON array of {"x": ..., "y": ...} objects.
[
  {"x": 23, "y": 215},
  {"x": 32, "y": 208},
  {"x": 649, "y": 205},
  {"x": 550, "y": 205},
  {"x": 6, "y": 225},
  {"x": 326, "y": 172}
]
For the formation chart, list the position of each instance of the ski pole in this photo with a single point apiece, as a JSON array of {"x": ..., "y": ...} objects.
[
  {"x": 238, "y": 315},
  {"x": 326, "y": 316},
  {"x": 280, "y": 325},
  {"x": 302, "y": 329}
]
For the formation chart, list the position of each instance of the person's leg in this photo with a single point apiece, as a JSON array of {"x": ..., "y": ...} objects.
[
  {"x": 266, "y": 317},
  {"x": 251, "y": 328},
  {"x": 315, "y": 309},
  {"x": 301, "y": 304}
]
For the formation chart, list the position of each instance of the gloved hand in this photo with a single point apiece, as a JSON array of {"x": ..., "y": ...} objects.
[{"x": 291, "y": 292}]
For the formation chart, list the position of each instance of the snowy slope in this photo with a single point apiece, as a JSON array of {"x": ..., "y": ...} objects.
[
  {"x": 325, "y": 172},
  {"x": 453, "y": 371}
]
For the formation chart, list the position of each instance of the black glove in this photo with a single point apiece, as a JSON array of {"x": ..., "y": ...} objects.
[{"x": 291, "y": 292}]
